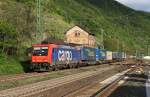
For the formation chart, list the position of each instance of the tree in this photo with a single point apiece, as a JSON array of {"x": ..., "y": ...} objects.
[{"x": 8, "y": 44}]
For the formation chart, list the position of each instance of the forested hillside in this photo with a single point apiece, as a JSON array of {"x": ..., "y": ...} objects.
[{"x": 124, "y": 26}]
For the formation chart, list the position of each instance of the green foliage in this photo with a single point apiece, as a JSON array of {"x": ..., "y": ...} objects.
[
  {"x": 7, "y": 34},
  {"x": 116, "y": 20},
  {"x": 91, "y": 15},
  {"x": 9, "y": 65}
]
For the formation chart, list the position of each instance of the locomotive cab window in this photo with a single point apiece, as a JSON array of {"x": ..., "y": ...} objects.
[{"x": 40, "y": 51}]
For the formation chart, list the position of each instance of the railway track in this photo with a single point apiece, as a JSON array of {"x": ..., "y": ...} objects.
[
  {"x": 38, "y": 88},
  {"x": 100, "y": 89},
  {"x": 111, "y": 87},
  {"x": 108, "y": 86},
  {"x": 21, "y": 76},
  {"x": 35, "y": 74},
  {"x": 26, "y": 75},
  {"x": 11, "y": 78}
]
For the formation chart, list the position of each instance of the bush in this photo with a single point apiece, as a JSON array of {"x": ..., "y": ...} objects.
[{"x": 9, "y": 65}]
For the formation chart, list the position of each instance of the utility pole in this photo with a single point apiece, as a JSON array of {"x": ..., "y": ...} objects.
[
  {"x": 39, "y": 28},
  {"x": 117, "y": 44},
  {"x": 118, "y": 49},
  {"x": 147, "y": 48},
  {"x": 136, "y": 53},
  {"x": 102, "y": 39},
  {"x": 121, "y": 47}
]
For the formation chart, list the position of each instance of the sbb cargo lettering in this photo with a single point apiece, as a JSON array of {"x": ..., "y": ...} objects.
[{"x": 64, "y": 55}]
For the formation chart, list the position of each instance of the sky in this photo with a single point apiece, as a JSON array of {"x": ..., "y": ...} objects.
[{"x": 143, "y": 5}]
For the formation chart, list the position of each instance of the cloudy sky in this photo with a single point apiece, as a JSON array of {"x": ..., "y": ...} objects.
[{"x": 137, "y": 4}]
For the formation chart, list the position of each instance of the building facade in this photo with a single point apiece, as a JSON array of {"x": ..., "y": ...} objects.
[{"x": 76, "y": 35}]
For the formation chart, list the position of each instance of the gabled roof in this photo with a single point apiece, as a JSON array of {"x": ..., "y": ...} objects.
[{"x": 76, "y": 28}]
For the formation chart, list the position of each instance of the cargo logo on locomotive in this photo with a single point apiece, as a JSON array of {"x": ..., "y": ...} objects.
[{"x": 64, "y": 55}]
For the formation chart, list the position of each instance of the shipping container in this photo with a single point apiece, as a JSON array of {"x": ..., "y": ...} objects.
[
  {"x": 98, "y": 54},
  {"x": 108, "y": 55},
  {"x": 117, "y": 55},
  {"x": 65, "y": 56},
  {"x": 124, "y": 56},
  {"x": 120, "y": 55},
  {"x": 87, "y": 54},
  {"x": 102, "y": 54}
]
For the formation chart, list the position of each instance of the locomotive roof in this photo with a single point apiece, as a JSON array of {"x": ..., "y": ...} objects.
[
  {"x": 61, "y": 46},
  {"x": 42, "y": 44}
]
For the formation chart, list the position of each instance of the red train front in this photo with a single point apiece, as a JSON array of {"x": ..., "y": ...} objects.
[{"x": 41, "y": 56}]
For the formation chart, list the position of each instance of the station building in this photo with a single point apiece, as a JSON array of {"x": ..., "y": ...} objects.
[{"x": 77, "y": 35}]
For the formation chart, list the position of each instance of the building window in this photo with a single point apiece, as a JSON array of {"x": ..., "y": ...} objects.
[{"x": 77, "y": 34}]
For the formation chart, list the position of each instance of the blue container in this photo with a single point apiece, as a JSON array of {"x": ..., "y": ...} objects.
[
  {"x": 98, "y": 54},
  {"x": 65, "y": 56},
  {"x": 87, "y": 54},
  {"x": 103, "y": 54}
]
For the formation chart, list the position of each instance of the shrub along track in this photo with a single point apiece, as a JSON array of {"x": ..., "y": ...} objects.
[{"x": 61, "y": 86}]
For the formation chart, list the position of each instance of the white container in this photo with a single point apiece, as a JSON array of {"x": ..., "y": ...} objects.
[{"x": 108, "y": 55}]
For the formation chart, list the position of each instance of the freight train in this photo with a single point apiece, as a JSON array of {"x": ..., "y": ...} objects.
[{"x": 47, "y": 57}]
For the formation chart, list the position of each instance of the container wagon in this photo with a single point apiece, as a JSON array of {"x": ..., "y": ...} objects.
[{"x": 87, "y": 55}]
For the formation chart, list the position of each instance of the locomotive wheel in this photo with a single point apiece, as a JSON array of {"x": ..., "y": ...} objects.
[
  {"x": 50, "y": 68},
  {"x": 77, "y": 66},
  {"x": 70, "y": 66},
  {"x": 74, "y": 65},
  {"x": 56, "y": 68}
]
